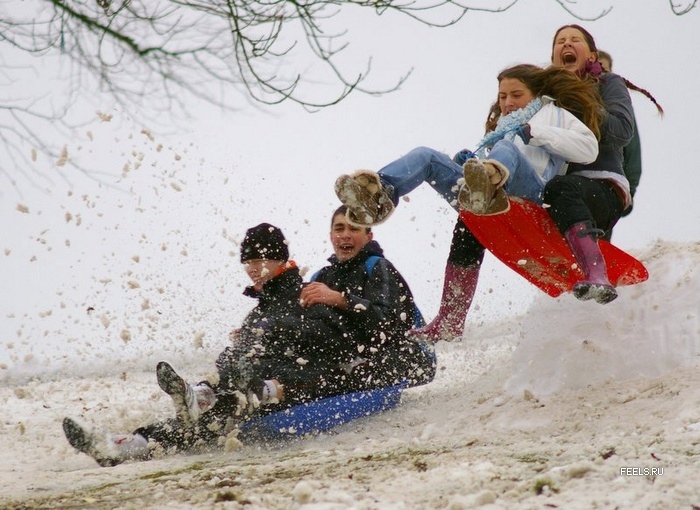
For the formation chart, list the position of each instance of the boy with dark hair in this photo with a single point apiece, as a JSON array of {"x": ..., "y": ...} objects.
[{"x": 344, "y": 332}]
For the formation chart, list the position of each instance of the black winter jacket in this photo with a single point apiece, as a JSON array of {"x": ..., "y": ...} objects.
[
  {"x": 312, "y": 350},
  {"x": 271, "y": 330},
  {"x": 277, "y": 315},
  {"x": 380, "y": 308}
]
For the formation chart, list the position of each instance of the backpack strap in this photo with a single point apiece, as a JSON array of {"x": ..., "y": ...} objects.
[{"x": 370, "y": 263}]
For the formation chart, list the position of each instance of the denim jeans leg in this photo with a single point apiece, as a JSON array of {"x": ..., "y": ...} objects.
[
  {"x": 523, "y": 181},
  {"x": 420, "y": 165}
]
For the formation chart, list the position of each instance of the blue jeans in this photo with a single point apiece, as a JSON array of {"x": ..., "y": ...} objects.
[
  {"x": 523, "y": 180},
  {"x": 423, "y": 164}
]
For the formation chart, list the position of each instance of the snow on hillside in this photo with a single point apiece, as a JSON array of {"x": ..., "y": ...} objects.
[{"x": 566, "y": 406}]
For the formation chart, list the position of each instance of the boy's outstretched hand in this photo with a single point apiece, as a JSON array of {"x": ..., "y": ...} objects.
[{"x": 319, "y": 293}]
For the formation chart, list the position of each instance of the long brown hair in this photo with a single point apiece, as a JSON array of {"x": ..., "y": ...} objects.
[{"x": 578, "y": 96}]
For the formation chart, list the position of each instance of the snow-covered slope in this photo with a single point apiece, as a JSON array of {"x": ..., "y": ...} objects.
[{"x": 544, "y": 409}]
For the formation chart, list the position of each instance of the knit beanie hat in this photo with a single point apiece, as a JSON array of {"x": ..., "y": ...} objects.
[{"x": 264, "y": 241}]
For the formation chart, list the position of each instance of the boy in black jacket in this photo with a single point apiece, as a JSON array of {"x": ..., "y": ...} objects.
[{"x": 341, "y": 333}]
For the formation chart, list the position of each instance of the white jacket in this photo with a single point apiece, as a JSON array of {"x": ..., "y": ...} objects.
[{"x": 558, "y": 137}]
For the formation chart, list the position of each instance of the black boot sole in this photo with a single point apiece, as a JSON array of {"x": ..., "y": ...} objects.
[{"x": 84, "y": 442}]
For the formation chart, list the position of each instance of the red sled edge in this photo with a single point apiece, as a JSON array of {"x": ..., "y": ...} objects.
[{"x": 527, "y": 240}]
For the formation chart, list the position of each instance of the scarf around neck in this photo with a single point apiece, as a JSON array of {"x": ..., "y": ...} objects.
[{"x": 507, "y": 125}]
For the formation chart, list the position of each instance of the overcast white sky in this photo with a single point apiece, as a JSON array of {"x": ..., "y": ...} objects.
[{"x": 156, "y": 253}]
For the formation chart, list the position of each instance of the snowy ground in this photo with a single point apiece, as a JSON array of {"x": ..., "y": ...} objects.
[{"x": 543, "y": 410}]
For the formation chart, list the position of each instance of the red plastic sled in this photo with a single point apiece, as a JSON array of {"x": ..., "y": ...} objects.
[{"x": 526, "y": 239}]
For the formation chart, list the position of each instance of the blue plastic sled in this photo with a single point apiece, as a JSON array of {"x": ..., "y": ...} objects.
[{"x": 322, "y": 415}]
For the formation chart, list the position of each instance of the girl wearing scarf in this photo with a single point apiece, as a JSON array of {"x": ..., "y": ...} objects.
[{"x": 542, "y": 119}]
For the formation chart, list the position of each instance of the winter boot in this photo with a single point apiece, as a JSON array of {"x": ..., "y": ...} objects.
[
  {"x": 457, "y": 294},
  {"x": 367, "y": 200},
  {"x": 582, "y": 239},
  {"x": 108, "y": 450},
  {"x": 482, "y": 192},
  {"x": 190, "y": 400}
]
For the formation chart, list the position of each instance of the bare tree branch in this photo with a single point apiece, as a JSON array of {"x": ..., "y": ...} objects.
[
  {"x": 680, "y": 11},
  {"x": 570, "y": 11},
  {"x": 153, "y": 57}
]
